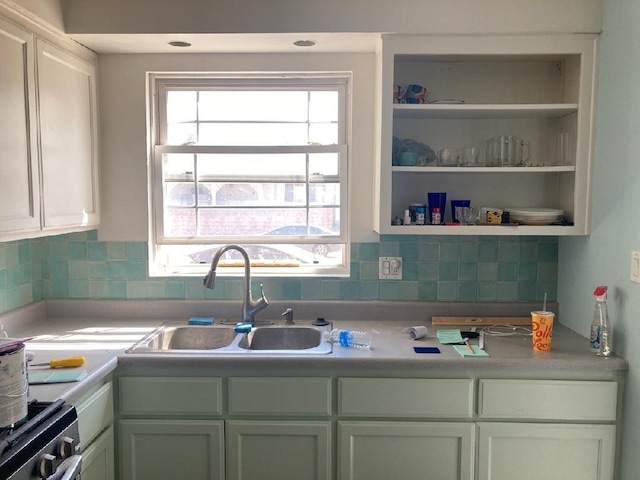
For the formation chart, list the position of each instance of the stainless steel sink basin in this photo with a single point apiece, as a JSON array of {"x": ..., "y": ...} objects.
[
  {"x": 282, "y": 338},
  {"x": 277, "y": 339}
]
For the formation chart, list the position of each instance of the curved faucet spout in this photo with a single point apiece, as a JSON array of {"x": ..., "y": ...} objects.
[{"x": 249, "y": 307}]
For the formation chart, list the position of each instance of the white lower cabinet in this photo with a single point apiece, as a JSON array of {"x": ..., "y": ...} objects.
[
  {"x": 283, "y": 450},
  {"x": 171, "y": 449},
  {"x": 406, "y": 450},
  {"x": 529, "y": 451}
]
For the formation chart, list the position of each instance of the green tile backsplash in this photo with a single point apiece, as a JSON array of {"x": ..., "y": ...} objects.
[{"x": 436, "y": 268}]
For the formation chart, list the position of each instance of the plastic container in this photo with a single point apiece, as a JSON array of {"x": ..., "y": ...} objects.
[
  {"x": 350, "y": 338},
  {"x": 600, "y": 338}
]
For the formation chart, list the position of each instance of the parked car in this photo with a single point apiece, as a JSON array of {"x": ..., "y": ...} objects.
[
  {"x": 320, "y": 249},
  {"x": 256, "y": 252}
]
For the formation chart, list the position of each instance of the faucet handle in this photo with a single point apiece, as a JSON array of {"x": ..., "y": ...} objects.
[
  {"x": 288, "y": 316},
  {"x": 263, "y": 296}
]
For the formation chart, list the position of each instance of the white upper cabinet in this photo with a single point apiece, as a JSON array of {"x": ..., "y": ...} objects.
[
  {"x": 48, "y": 136},
  {"x": 538, "y": 90},
  {"x": 19, "y": 174}
]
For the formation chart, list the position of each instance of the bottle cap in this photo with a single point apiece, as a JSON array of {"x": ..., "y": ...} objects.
[
  {"x": 601, "y": 292},
  {"x": 436, "y": 210}
]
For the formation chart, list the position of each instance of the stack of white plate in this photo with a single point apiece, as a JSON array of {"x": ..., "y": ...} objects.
[{"x": 535, "y": 215}]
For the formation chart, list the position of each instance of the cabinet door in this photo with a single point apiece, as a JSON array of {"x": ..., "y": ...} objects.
[
  {"x": 287, "y": 450},
  {"x": 68, "y": 138},
  {"x": 549, "y": 451},
  {"x": 19, "y": 183},
  {"x": 406, "y": 450},
  {"x": 98, "y": 459},
  {"x": 171, "y": 449}
]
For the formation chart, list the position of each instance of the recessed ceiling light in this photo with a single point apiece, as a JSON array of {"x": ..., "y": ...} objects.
[
  {"x": 304, "y": 43},
  {"x": 178, "y": 43}
]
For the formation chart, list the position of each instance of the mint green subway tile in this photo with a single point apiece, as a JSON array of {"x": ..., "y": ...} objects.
[
  {"x": 36, "y": 288},
  {"x": 467, "y": 291},
  {"x": 176, "y": 289},
  {"x": 217, "y": 293},
  {"x": 136, "y": 289},
  {"x": 13, "y": 299},
  {"x": 427, "y": 271},
  {"x": 57, "y": 247},
  {"x": 26, "y": 294},
  {"x": 78, "y": 289},
  {"x": 447, "y": 271},
  {"x": 117, "y": 270},
  {"x": 488, "y": 271},
  {"x": 330, "y": 289},
  {"x": 46, "y": 270},
  {"x": 528, "y": 239},
  {"x": 354, "y": 271},
  {"x": 76, "y": 237},
  {"x": 195, "y": 289},
  {"x": 488, "y": 252},
  {"x": 487, "y": 291},
  {"x": 550, "y": 288},
  {"x": 409, "y": 271},
  {"x": 135, "y": 270},
  {"x": 408, "y": 290},
  {"x": 528, "y": 252},
  {"x": 508, "y": 252},
  {"x": 388, "y": 290},
  {"x": 78, "y": 270},
  {"x": 368, "y": 290},
  {"x": 527, "y": 272},
  {"x": 400, "y": 238},
  {"x": 349, "y": 290},
  {"x": 507, "y": 291},
  {"x": 136, "y": 251},
  {"x": 469, "y": 251},
  {"x": 11, "y": 255},
  {"x": 58, "y": 270},
  {"x": 291, "y": 289},
  {"x": 547, "y": 272},
  {"x": 547, "y": 252},
  {"x": 310, "y": 289},
  {"x": 389, "y": 249},
  {"x": 488, "y": 238},
  {"x": 233, "y": 288},
  {"x": 369, "y": 252},
  {"x": 97, "y": 250},
  {"x": 92, "y": 235},
  {"x": 3, "y": 302},
  {"x": 99, "y": 289},
  {"x": 59, "y": 288},
  {"x": 24, "y": 273},
  {"x": 116, "y": 251},
  {"x": 3, "y": 256},
  {"x": 98, "y": 270},
  {"x": 368, "y": 271},
  {"x": 449, "y": 252},
  {"x": 354, "y": 251},
  {"x": 548, "y": 240},
  {"x": 468, "y": 272},
  {"x": 272, "y": 287},
  {"x": 447, "y": 291},
  {"x": 117, "y": 289},
  {"x": 429, "y": 252},
  {"x": 156, "y": 289},
  {"x": 507, "y": 272},
  {"x": 13, "y": 277},
  {"x": 24, "y": 252},
  {"x": 409, "y": 252},
  {"x": 428, "y": 291},
  {"x": 3, "y": 280},
  {"x": 77, "y": 250},
  {"x": 527, "y": 291},
  {"x": 36, "y": 271}
]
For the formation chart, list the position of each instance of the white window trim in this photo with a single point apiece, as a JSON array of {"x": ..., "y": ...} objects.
[{"x": 158, "y": 81}]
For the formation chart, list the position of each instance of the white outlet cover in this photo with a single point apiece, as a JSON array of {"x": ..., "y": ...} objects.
[
  {"x": 390, "y": 268},
  {"x": 635, "y": 267}
]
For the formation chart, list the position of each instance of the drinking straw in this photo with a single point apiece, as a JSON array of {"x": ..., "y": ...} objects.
[{"x": 544, "y": 305}]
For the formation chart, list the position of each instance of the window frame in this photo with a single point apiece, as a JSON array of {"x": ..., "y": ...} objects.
[{"x": 160, "y": 83}]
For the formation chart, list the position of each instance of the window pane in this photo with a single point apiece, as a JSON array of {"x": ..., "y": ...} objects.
[
  {"x": 247, "y": 221},
  {"x": 289, "y": 255},
  {"x": 181, "y": 107},
  {"x": 324, "y": 164},
  {"x": 180, "y": 222},
  {"x": 323, "y": 133},
  {"x": 271, "y": 106},
  {"x": 180, "y": 194},
  {"x": 327, "y": 218},
  {"x": 243, "y": 134},
  {"x": 256, "y": 194},
  {"x": 182, "y": 133},
  {"x": 178, "y": 167},
  {"x": 265, "y": 165},
  {"x": 324, "y": 194},
  {"x": 323, "y": 106}
]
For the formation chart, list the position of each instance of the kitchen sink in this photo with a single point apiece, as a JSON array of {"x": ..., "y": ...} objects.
[{"x": 272, "y": 339}]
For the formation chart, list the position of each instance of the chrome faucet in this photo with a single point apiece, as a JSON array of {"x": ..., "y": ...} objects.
[{"x": 249, "y": 307}]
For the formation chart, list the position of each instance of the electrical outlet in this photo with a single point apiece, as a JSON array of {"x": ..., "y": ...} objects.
[
  {"x": 635, "y": 267},
  {"x": 390, "y": 268}
]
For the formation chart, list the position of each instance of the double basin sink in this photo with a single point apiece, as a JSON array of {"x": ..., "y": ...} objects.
[{"x": 275, "y": 339}]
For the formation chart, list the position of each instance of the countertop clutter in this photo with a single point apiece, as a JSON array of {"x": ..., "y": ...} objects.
[{"x": 103, "y": 336}]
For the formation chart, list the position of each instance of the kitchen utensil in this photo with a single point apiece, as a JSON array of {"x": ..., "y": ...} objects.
[{"x": 67, "y": 362}]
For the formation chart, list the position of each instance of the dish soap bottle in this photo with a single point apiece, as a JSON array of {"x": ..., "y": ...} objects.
[{"x": 600, "y": 339}]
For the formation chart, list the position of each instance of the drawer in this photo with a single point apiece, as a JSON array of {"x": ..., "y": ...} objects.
[
  {"x": 280, "y": 396},
  {"x": 169, "y": 396},
  {"x": 95, "y": 413},
  {"x": 393, "y": 397},
  {"x": 548, "y": 399}
]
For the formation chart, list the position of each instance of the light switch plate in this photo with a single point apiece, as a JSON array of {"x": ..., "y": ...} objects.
[
  {"x": 390, "y": 268},
  {"x": 635, "y": 266}
]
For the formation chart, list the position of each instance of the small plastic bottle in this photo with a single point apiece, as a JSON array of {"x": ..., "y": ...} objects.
[
  {"x": 600, "y": 339},
  {"x": 407, "y": 218},
  {"x": 350, "y": 338},
  {"x": 435, "y": 216}
]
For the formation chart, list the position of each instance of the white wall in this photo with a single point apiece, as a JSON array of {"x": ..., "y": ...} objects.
[
  {"x": 604, "y": 257},
  {"x": 47, "y": 10},
  {"x": 122, "y": 101}
]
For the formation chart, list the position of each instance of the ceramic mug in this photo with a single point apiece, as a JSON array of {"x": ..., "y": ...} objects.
[{"x": 414, "y": 93}]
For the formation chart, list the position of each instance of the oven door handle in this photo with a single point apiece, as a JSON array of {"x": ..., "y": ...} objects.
[{"x": 68, "y": 469}]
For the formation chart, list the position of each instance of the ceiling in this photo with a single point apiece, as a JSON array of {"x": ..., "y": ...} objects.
[{"x": 228, "y": 43}]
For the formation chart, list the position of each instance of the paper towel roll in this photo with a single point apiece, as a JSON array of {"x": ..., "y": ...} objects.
[{"x": 416, "y": 332}]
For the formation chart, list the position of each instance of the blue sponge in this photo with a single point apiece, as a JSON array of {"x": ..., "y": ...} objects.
[{"x": 201, "y": 321}]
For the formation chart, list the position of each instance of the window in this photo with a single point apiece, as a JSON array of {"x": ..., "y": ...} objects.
[{"x": 260, "y": 161}]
